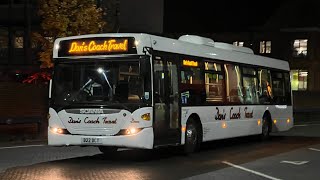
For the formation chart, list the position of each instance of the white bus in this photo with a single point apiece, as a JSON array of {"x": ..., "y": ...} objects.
[{"x": 146, "y": 91}]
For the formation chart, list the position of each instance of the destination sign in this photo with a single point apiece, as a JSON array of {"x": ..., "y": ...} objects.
[{"x": 96, "y": 46}]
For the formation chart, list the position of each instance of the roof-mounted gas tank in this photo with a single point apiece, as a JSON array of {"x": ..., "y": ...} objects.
[{"x": 209, "y": 42}]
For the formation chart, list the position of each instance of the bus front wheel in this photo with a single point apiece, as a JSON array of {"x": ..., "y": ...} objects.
[{"x": 192, "y": 137}]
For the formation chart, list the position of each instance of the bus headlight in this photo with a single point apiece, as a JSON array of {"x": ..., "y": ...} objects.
[
  {"x": 59, "y": 130},
  {"x": 131, "y": 131}
]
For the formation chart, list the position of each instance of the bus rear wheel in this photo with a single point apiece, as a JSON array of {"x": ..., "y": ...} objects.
[
  {"x": 107, "y": 149},
  {"x": 192, "y": 137}
]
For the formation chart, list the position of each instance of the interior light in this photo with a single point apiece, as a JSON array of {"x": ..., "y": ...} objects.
[{"x": 100, "y": 70}]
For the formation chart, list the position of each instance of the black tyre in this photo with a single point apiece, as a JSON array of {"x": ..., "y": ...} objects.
[
  {"x": 266, "y": 129},
  {"x": 108, "y": 150},
  {"x": 192, "y": 137}
]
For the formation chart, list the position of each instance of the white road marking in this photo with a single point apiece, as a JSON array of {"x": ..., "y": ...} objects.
[
  {"x": 303, "y": 125},
  {"x": 295, "y": 162},
  {"x": 251, "y": 171},
  {"x": 300, "y": 125},
  {"x": 15, "y": 147},
  {"x": 314, "y": 149}
]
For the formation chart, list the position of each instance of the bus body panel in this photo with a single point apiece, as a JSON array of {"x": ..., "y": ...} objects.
[{"x": 245, "y": 120}]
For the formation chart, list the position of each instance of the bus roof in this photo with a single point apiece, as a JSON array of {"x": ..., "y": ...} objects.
[{"x": 189, "y": 45}]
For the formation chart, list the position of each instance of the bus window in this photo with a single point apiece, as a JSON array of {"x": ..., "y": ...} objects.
[
  {"x": 278, "y": 87},
  {"x": 192, "y": 87},
  {"x": 265, "y": 89},
  {"x": 288, "y": 87},
  {"x": 233, "y": 83},
  {"x": 250, "y": 86},
  {"x": 214, "y": 82}
]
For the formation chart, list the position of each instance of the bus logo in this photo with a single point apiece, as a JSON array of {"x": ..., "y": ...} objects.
[{"x": 91, "y": 111}]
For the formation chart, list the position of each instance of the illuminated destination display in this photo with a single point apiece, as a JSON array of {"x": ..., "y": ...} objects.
[
  {"x": 107, "y": 46},
  {"x": 96, "y": 46},
  {"x": 190, "y": 63}
]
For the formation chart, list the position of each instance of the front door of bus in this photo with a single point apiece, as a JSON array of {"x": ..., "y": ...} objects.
[{"x": 166, "y": 99}]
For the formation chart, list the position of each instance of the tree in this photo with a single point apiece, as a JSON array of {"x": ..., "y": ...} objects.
[{"x": 61, "y": 18}]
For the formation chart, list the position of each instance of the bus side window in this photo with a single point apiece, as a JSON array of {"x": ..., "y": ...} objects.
[
  {"x": 192, "y": 85},
  {"x": 278, "y": 87},
  {"x": 234, "y": 89},
  {"x": 288, "y": 88},
  {"x": 265, "y": 90}
]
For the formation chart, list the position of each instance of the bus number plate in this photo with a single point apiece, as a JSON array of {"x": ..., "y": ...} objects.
[{"x": 91, "y": 141}]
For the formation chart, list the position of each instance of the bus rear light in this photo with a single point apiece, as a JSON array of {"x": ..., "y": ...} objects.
[{"x": 146, "y": 117}]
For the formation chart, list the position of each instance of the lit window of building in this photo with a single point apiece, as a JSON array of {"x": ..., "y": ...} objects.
[
  {"x": 300, "y": 48},
  {"x": 299, "y": 80},
  {"x": 265, "y": 47},
  {"x": 18, "y": 43},
  {"x": 238, "y": 43}
]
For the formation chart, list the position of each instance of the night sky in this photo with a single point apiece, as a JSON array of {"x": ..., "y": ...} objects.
[{"x": 216, "y": 16}]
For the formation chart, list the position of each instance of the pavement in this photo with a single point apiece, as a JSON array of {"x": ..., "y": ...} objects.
[
  {"x": 20, "y": 134},
  {"x": 283, "y": 157}
]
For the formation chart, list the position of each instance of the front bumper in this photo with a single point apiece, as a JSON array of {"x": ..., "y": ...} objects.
[{"x": 143, "y": 139}]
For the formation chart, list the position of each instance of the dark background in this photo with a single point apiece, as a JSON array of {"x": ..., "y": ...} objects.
[{"x": 217, "y": 16}]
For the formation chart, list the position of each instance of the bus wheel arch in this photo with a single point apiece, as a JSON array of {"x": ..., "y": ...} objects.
[
  {"x": 266, "y": 125},
  {"x": 193, "y": 134}
]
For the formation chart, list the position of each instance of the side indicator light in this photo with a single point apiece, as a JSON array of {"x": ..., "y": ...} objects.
[
  {"x": 259, "y": 122},
  {"x": 288, "y": 121},
  {"x": 146, "y": 117},
  {"x": 224, "y": 125},
  {"x": 275, "y": 121}
]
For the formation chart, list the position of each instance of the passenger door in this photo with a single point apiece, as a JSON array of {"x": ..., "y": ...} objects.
[{"x": 166, "y": 100}]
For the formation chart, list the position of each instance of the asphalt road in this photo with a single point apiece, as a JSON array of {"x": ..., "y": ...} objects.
[{"x": 290, "y": 155}]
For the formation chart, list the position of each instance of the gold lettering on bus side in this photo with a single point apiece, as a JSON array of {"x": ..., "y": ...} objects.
[{"x": 107, "y": 46}]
